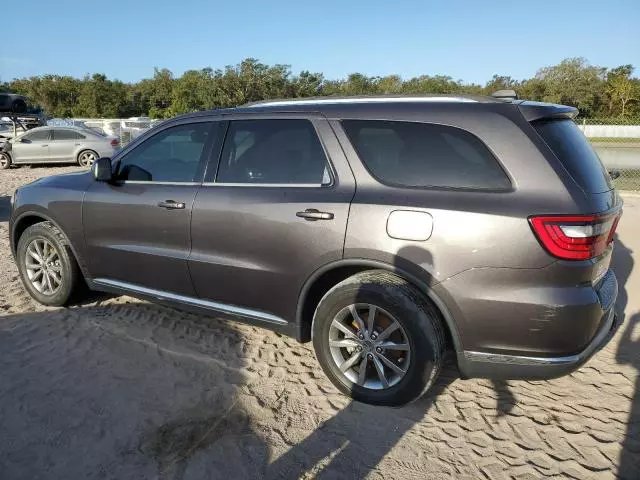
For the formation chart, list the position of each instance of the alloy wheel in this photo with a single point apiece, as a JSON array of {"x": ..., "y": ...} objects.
[
  {"x": 87, "y": 159},
  {"x": 43, "y": 265},
  {"x": 369, "y": 346}
]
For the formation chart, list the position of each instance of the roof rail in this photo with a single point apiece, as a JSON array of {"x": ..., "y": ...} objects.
[
  {"x": 362, "y": 99},
  {"x": 505, "y": 94}
]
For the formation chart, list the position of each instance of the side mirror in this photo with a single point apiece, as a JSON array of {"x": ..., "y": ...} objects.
[{"x": 102, "y": 170}]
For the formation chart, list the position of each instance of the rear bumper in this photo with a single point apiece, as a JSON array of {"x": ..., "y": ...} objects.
[{"x": 500, "y": 366}]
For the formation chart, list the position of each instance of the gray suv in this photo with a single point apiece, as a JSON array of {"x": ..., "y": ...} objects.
[{"x": 385, "y": 230}]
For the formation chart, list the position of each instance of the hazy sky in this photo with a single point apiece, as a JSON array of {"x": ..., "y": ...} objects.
[{"x": 468, "y": 40}]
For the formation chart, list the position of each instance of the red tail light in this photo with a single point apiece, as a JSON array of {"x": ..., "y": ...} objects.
[
  {"x": 115, "y": 142},
  {"x": 578, "y": 237}
]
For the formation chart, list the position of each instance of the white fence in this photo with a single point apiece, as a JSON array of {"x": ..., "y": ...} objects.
[{"x": 611, "y": 131}]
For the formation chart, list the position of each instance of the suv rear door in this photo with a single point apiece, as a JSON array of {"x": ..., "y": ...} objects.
[
  {"x": 273, "y": 211},
  {"x": 137, "y": 227}
]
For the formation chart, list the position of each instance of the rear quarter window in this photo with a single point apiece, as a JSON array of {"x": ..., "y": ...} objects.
[
  {"x": 412, "y": 154},
  {"x": 575, "y": 152}
]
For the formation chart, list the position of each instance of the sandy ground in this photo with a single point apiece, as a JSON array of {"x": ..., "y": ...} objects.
[{"x": 118, "y": 388}]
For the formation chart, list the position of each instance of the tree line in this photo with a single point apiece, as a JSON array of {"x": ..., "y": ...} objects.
[{"x": 597, "y": 92}]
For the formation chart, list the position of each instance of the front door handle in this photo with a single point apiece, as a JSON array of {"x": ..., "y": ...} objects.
[
  {"x": 44, "y": 145},
  {"x": 312, "y": 214},
  {"x": 172, "y": 205}
]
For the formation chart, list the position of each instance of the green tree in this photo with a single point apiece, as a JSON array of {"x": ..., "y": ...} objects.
[
  {"x": 621, "y": 89},
  {"x": 574, "y": 82}
]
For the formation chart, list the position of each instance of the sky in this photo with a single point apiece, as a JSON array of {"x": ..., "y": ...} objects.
[{"x": 467, "y": 40}]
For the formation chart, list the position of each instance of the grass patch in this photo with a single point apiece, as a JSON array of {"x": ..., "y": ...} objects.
[{"x": 614, "y": 140}]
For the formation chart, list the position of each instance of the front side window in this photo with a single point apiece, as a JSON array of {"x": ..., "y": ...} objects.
[
  {"x": 273, "y": 152},
  {"x": 412, "y": 154},
  {"x": 39, "y": 136},
  {"x": 172, "y": 155},
  {"x": 62, "y": 134}
]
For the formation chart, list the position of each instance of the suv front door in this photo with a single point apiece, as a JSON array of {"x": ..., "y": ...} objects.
[
  {"x": 137, "y": 227},
  {"x": 273, "y": 212}
]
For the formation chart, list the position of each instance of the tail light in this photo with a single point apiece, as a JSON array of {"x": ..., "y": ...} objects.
[
  {"x": 115, "y": 142},
  {"x": 576, "y": 237}
]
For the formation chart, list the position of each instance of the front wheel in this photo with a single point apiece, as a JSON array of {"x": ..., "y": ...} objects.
[
  {"x": 378, "y": 339},
  {"x": 47, "y": 266},
  {"x": 5, "y": 161}
]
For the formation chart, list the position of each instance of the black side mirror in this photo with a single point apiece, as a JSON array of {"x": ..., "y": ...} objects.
[{"x": 102, "y": 170}]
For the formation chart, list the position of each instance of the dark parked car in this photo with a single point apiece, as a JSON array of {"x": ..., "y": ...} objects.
[
  {"x": 385, "y": 230},
  {"x": 13, "y": 103}
]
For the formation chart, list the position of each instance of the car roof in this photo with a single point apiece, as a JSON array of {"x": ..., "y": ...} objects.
[{"x": 394, "y": 105}]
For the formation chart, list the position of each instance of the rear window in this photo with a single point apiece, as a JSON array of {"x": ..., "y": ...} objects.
[
  {"x": 411, "y": 154},
  {"x": 576, "y": 154}
]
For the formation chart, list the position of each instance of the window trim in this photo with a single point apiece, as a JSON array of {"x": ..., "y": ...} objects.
[
  {"x": 204, "y": 156},
  {"x": 509, "y": 189},
  {"x": 328, "y": 163}
]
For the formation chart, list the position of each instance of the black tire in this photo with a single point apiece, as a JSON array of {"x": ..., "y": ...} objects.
[
  {"x": 19, "y": 106},
  {"x": 71, "y": 275},
  {"x": 5, "y": 161},
  {"x": 420, "y": 321}
]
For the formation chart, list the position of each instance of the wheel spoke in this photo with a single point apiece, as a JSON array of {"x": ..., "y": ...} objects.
[
  {"x": 34, "y": 254},
  {"x": 37, "y": 274},
  {"x": 55, "y": 277},
  {"x": 391, "y": 365},
  {"x": 350, "y": 362},
  {"x": 380, "y": 370},
  {"x": 32, "y": 266},
  {"x": 395, "y": 346},
  {"x": 388, "y": 331},
  {"x": 48, "y": 281},
  {"x": 39, "y": 250},
  {"x": 371, "y": 318},
  {"x": 343, "y": 343},
  {"x": 55, "y": 268},
  {"x": 344, "y": 329},
  {"x": 356, "y": 317},
  {"x": 362, "y": 372}
]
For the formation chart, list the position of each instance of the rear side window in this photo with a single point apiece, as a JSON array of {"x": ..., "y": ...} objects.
[
  {"x": 576, "y": 154},
  {"x": 273, "y": 152},
  {"x": 411, "y": 154},
  {"x": 61, "y": 134}
]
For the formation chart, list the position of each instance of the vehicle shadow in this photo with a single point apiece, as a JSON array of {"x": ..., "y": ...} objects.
[
  {"x": 143, "y": 391},
  {"x": 628, "y": 353},
  {"x": 353, "y": 442},
  {"x": 5, "y": 209}
]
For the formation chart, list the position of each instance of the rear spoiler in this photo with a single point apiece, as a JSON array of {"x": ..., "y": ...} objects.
[{"x": 545, "y": 111}]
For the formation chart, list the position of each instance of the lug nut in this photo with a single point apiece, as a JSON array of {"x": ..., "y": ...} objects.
[
  {"x": 374, "y": 336},
  {"x": 361, "y": 336},
  {"x": 379, "y": 350},
  {"x": 370, "y": 356}
]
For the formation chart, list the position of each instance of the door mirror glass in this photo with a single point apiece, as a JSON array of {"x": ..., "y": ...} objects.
[{"x": 102, "y": 169}]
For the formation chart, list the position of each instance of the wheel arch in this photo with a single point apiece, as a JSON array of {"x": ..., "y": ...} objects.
[
  {"x": 326, "y": 277},
  {"x": 31, "y": 217}
]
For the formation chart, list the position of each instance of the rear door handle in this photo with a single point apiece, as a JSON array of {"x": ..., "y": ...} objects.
[
  {"x": 172, "y": 205},
  {"x": 312, "y": 214}
]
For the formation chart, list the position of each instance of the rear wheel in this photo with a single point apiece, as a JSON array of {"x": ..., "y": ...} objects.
[
  {"x": 5, "y": 161},
  {"x": 86, "y": 158},
  {"x": 47, "y": 267},
  {"x": 378, "y": 339}
]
